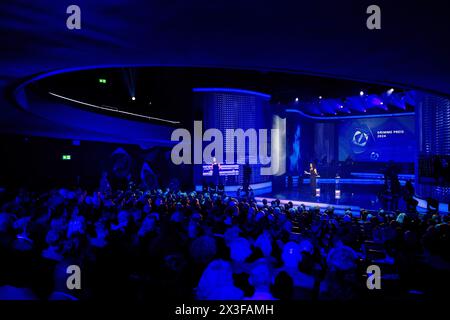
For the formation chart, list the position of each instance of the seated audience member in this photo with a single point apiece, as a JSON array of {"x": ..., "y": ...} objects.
[
  {"x": 8, "y": 292},
  {"x": 291, "y": 257},
  {"x": 54, "y": 249},
  {"x": 101, "y": 232},
  {"x": 283, "y": 286},
  {"x": 203, "y": 249},
  {"x": 340, "y": 281},
  {"x": 264, "y": 243},
  {"x": 239, "y": 251},
  {"x": 216, "y": 283},
  {"x": 260, "y": 279},
  {"x": 162, "y": 243}
]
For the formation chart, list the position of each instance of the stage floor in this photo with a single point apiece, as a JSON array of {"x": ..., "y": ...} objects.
[{"x": 352, "y": 196}]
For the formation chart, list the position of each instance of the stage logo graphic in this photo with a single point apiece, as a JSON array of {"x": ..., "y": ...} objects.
[
  {"x": 235, "y": 146},
  {"x": 360, "y": 138}
]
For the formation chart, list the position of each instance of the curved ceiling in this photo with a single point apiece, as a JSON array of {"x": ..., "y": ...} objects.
[
  {"x": 164, "y": 95},
  {"x": 319, "y": 37}
]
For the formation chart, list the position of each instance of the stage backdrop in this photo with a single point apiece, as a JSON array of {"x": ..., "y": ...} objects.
[
  {"x": 230, "y": 108},
  {"x": 300, "y": 151},
  {"x": 378, "y": 139}
]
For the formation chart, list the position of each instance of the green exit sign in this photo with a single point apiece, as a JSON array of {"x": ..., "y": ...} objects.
[
  {"x": 66, "y": 157},
  {"x": 101, "y": 80}
]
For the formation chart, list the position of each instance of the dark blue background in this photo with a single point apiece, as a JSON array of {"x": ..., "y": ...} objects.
[{"x": 395, "y": 147}]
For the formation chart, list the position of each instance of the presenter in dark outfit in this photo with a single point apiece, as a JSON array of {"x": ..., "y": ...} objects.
[
  {"x": 247, "y": 175},
  {"x": 216, "y": 172},
  {"x": 313, "y": 174}
]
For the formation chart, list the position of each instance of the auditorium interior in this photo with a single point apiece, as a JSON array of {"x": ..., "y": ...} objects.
[{"x": 210, "y": 160}]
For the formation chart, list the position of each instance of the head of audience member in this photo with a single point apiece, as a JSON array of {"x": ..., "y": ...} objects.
[
  {"x": 291, "y": 255},
  {"x": 216, "y": 283},
  {"x": 260, "y": 279},
  {"x": 240, "y": 249}
]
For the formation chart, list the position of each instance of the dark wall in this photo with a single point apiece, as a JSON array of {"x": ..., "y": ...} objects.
[{"x": 37, "y": 163}]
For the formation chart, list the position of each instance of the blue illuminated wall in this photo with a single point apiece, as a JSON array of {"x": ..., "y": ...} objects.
[
  {"x": 378, "y": 139},
  {"x": 226, "y": 108},
  {"x": 433, "y": 123}
]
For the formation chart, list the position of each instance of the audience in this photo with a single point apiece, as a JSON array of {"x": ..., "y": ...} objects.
[{"x": 140, "y": 244}]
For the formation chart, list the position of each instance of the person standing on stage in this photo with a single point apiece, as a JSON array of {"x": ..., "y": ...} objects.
[
  {"x": 313, "y": 174},
  {"x": 247, "y": 169},
  {"x": 216, "y": 172}
]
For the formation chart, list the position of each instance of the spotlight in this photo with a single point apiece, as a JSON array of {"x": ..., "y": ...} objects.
[
  {"x": 296, "y": 99},
  {"x": 390, "y": 91},
  {"x": 342, "y": 107},
  {"x": 361, "y": 93},
  {"x": 365, "y": 110},
  {"x": 381, "y": 102},
  {"x": 320, "y": 97},
  {"x": 133, "y": 98}
]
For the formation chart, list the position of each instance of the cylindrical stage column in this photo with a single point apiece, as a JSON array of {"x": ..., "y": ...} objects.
[
  {"x": 433, "y": 161},
  {"x": 230, "y": 108}
]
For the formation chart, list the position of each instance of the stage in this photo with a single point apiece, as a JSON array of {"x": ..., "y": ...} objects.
[{"x": 355, "y": 194}]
